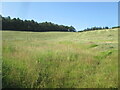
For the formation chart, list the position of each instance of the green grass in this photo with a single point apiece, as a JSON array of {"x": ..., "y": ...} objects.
[{"x": 60, "y": 59}]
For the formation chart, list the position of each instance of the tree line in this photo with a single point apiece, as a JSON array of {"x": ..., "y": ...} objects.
[
  {"x": 94, "y": 28},
  {"x": 116, "y": 27},
  {"x": 98, "y": 28},
  {"x": 17, "y": 24}
]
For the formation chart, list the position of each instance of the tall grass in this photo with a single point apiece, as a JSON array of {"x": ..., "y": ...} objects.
[{"x": 60, "y": 59}]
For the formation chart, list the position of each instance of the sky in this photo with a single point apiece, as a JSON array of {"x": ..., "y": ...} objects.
[{"x": 80, "y": 15}]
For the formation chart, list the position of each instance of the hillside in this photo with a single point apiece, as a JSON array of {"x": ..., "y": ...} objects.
[{"x": 60, "y": 59}]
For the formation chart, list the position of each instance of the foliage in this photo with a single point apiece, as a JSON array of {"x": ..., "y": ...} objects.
[
  {"x": 94, "y": 28},
  {"x": 116, "y": 27},
  {"x": 17, "y": 24}
]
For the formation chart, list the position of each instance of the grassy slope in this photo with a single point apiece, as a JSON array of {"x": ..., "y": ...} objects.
[{"x": 60, "y": 59}]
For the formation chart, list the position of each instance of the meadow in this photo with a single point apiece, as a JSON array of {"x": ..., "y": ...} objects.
[{"x": 60, "y": 59}]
